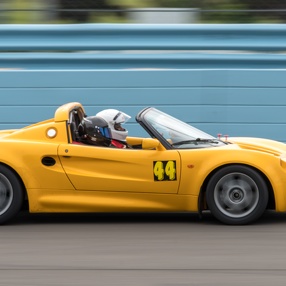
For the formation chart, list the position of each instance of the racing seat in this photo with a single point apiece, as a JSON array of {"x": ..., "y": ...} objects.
[{"x": 76, "y": 116}]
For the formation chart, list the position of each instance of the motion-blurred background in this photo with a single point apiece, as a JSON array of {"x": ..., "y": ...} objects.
[
  {"x": 143, "y": 11},
  {"x": 223, "y": 72}
]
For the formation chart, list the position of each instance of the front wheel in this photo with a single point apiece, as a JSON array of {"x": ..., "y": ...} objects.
[
  {"x": 11, "y": 194},
  {"x": 237, "y": 195}
]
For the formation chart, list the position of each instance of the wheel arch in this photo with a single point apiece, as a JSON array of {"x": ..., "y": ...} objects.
[
  {"x": 25, "y": 194},
  {"x": 202, "y": 205}
]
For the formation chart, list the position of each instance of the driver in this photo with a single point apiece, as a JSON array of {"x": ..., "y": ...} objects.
[
  {"x": 115, "y": 119},
  {"x": 104, "y": 129}
]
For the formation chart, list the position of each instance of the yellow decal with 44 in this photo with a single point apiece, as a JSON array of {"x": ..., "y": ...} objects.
[{"x": 164, "y": 170}]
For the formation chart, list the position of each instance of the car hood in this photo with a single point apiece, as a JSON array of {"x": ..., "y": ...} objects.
[{"x": 263, "y": 145}]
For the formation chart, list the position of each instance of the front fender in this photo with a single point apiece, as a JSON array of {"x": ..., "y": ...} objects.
[{"x": 197, "y": 165}]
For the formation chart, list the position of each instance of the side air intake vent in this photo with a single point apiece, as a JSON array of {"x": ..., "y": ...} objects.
[{"x": 48, "y": 161}]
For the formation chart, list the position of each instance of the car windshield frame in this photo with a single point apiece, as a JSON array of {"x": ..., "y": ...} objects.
[{"x": 174, "y": 133}]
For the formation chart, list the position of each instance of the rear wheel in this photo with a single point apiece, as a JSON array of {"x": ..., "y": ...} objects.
[
  {"x": 237, "y": 195},
  {"x": 11, "y": 194}
]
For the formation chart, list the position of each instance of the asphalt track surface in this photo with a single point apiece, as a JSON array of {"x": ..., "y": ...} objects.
[{"x": 141, "y": 249}]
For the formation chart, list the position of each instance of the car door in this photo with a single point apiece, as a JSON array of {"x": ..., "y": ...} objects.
[{"x": 121, "y": 170}]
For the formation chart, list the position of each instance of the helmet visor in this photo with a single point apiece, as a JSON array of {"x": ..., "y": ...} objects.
[{"x": 121, "y": 117}]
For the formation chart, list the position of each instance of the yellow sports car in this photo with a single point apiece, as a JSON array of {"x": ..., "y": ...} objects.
[{"x": 177, "y": 169}]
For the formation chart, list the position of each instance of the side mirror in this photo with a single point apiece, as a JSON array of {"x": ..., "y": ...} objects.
[{"x": 150, "y": 143}]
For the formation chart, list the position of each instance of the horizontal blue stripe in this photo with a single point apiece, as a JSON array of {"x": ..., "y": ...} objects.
[
  {"x": 259, "y": 78},
  {"x": 143, "y": 60},
  {"x": 270, "y": 37}
]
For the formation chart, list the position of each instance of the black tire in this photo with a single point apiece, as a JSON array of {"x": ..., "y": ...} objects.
[
  {"x": 11, "y": 194},
  {"x": 237, "y": 195}
]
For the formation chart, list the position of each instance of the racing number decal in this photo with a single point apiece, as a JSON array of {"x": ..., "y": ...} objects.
[
  {"x": 159, "y": 171},
  {"x": 164, "y": 170}
]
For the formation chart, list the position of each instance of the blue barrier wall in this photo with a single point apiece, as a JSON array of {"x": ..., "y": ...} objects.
[
  {"x": 233, "y": 102},
  {"x": 234, "y": 85}
]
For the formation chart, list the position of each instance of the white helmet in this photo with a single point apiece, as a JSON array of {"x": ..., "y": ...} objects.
[{"x": 115, "y": 118}]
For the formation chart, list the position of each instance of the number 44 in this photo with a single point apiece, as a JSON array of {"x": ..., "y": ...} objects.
[{"x": 164, "y": 170}]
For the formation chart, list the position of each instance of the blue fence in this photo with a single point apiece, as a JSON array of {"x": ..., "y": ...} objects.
[{"x": 227, "y": 79}]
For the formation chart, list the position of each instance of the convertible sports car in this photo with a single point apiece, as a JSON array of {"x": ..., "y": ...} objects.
[{"x": 177, "y": 169}]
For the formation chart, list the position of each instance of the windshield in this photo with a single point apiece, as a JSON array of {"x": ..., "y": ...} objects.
[{"x": 176, "y": 132}]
